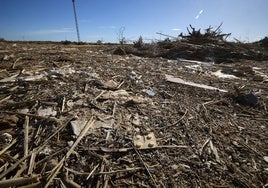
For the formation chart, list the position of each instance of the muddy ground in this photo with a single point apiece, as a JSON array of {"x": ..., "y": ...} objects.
[{"x": 81, "y": 116}]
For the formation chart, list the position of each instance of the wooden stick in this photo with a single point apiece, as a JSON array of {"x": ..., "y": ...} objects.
[
  {"x": 204, "y": 145},
  {"x": 120, "y": 171},
  {"x": 4, "y": 166},
  {"x": 5, "y": 99},
  {"x": 145, "y": 167},
  {"x": 120, "y": 84},
  {"x": 57, "y": 168},
  {"x": 26, "y": 132},
  {"x": 31, "y": 115},
  {"x": 63, "y": 104},
  {"x": 10, "y": 79},
  {"x": 7, "y": 147},
  {"x": 180, "y": 118},
  {"x": 99, "y": 95},
  {"x": 14, "y": 64},
  {"x": 33, "y": 185},
  {"x": 56, "y": 132},
  {"x": 32, "y": 162},
  {"x": 19, "y": 181},
  {"x": 22, "y": 168},
  {"x": 49, "y": 157},
  {"x": 54, "y": 172},
  {"x": 101, "y": 169},
  {"x": 114, "y": 109},
  {"x": 89, "y": 174},
  {"x": 10, "y": 169},
  {"x": 116, "y": 150},
  {"x": 85, "y": 88},
  {"x": 89, "y": 124},
  {"x": 214, "y": 151},
  {"x": 13, "y": 88},
  {"x": 62, "y": 185},
  {"x": 71, "y": 183},
  {"x": 94, "y": 169}
]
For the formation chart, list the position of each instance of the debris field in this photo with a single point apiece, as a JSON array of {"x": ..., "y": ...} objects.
[{"x": 81, "y": 116}]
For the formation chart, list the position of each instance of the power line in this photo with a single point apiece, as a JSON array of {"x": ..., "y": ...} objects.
[{"x": 76, "y": 22}]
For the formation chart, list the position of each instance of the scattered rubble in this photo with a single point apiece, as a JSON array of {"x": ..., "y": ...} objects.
[{"x": 82, "y": 116}]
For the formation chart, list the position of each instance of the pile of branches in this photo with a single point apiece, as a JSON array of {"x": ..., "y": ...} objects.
[{"x": 210, "y": 35}]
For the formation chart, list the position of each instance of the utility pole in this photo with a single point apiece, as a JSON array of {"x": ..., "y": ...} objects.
[{"x": 76, "y": 22}]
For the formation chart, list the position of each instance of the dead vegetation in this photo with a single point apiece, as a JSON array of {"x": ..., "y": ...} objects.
[
  {"x": 208, "y": 46},
  {"x": 72, "y": 116}
]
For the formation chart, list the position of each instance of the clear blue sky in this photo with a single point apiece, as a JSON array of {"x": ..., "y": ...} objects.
[{"x": 247, "y": 20}]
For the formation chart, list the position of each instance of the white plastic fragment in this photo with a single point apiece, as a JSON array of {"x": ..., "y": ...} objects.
[
  {"x": 145, "y": 142},
  {"x": 150, "y": 92}
]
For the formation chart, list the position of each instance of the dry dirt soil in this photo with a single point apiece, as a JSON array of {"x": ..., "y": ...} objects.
[{"x": 81, "y": 116}]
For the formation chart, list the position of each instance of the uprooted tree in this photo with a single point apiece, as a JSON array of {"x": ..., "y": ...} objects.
[{"x": 210, "y": 35}]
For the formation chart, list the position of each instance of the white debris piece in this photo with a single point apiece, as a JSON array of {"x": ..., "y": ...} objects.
[
  {"x": 78, "y": 126},
  {"x": 173, "y": 79},
  {"x": 220, "y": 74},
  {"x": 5, "y": 138},
  {"x": 46, "y": 112},
  {"x": 63, "y": 71},
  {"x": 46, "y": 151},
  {"x": 24, "y": 110},
  {"x": 31, "y": 78},
  {"x": 115, "y": 94},
  {"x": 265, "y": 158}
]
